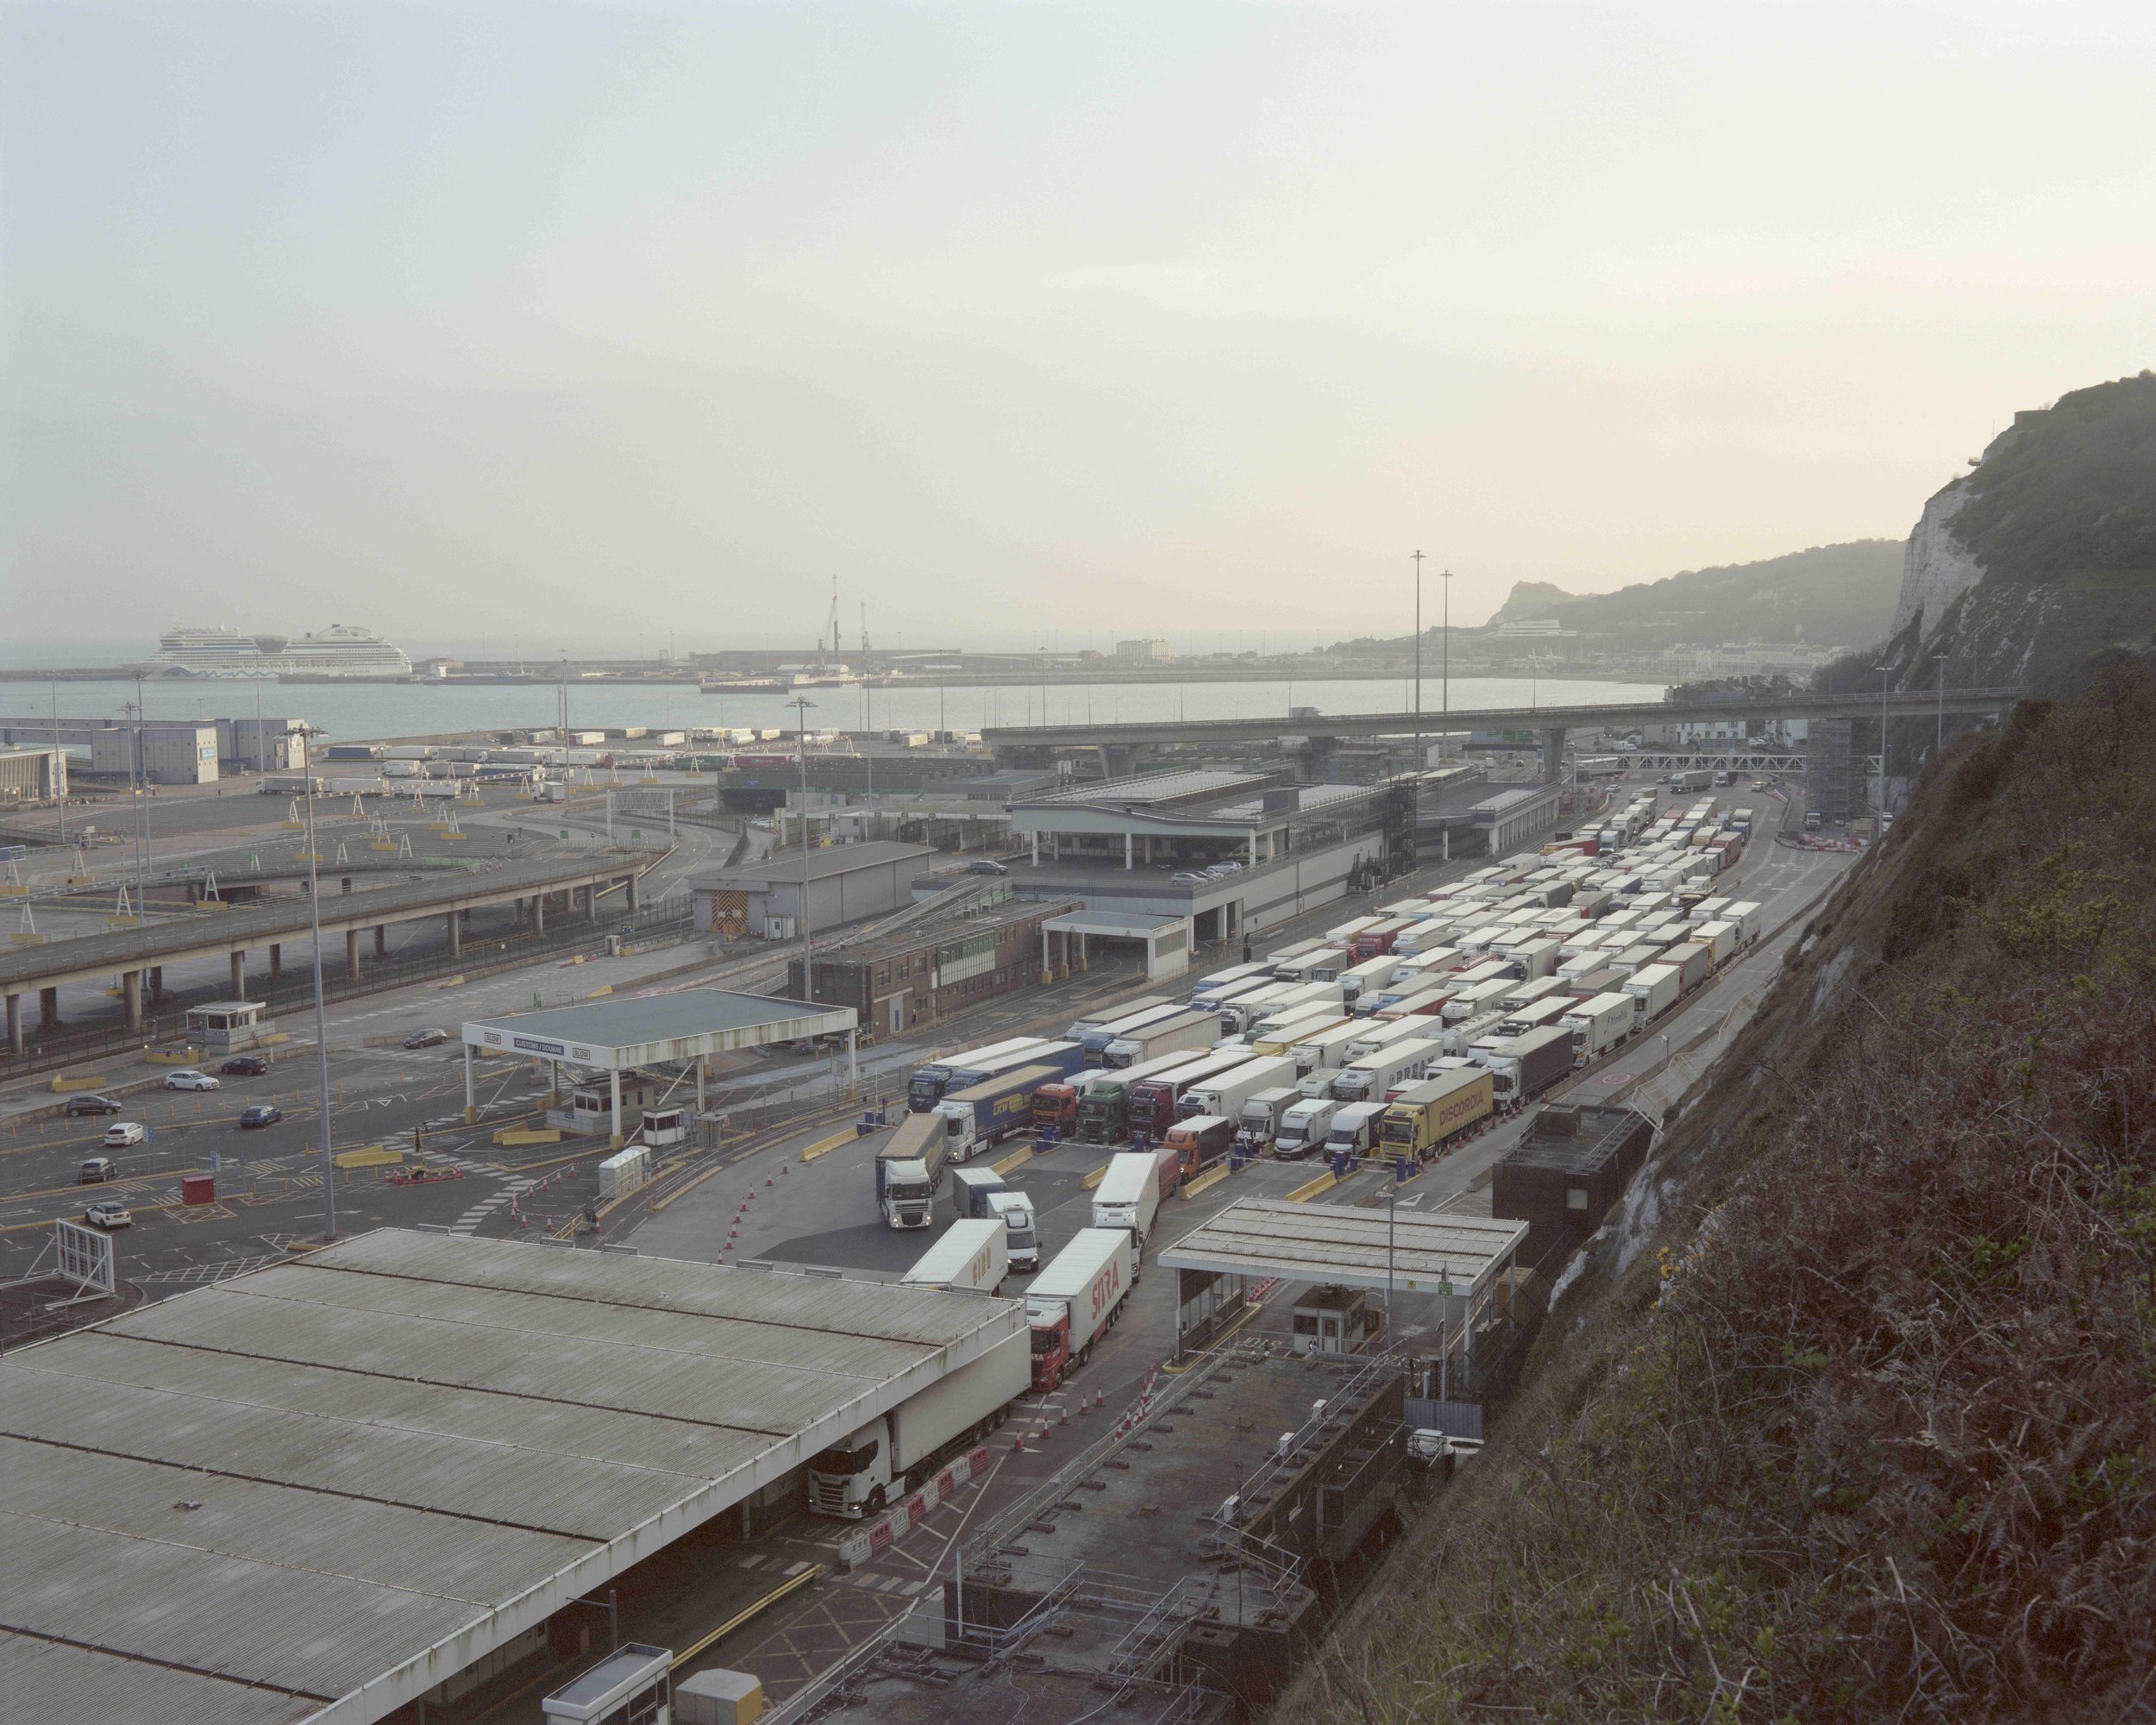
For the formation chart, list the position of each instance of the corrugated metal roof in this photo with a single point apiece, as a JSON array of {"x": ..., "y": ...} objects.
[
  {"x": 1332, "y": 1243},
  {"x": 49, "y": 1680},
  {"x": 656, "y": 1018},
  {"x": 397, "y": 1448}
]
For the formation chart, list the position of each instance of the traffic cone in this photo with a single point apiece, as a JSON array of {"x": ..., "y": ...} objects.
[
  {"x": 767, "y": 1179},
  {"x": 1017, "y": 1444},
  {"x": 1062, "y": 1418}
]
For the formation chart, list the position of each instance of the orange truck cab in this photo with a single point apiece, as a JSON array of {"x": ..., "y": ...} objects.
[
  {"x": 1055, "y": 1105},
  {"x": 1199, "y": 1142}
]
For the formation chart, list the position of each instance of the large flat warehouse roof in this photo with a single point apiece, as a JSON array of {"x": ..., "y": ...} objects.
[
  {"x": 318, "y": 1490},
  {"x": 783, "y": 868},
  {"x": 1338, "y": 1246},
  {"x": 658, "y": 1027}
]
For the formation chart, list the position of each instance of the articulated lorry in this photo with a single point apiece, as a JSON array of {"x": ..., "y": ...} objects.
[
  {"x": 1104, "y": 1103},
  {"x": 1132, "y": 1189},
  {"x": 1524, "y": 1066},
  {"x": 1097, "y": 1042},
  {"x": 973, "y": 1253},
  {"x": 1371, "y": 1078},
  {"x": 1178, "y": 1032},
  {"x": 1157, "y": 1103},
  {"x": 1598, "y": 1025},
  {"x": 1075, "y": 1300},
  {"x": 910, "y": 1169},
  {"x": 1223, "y": 1093},
  {"x": 892, "y": 1454},
  {"x": 989, "y": 1113},
  {"x": 1427, "y": 1119},
  {"x": 930, "y": 1084},
  {"x": 1653, "y": 988}
]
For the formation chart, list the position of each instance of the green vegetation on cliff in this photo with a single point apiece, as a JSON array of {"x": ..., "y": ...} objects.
[{"x": 1863, "y": 1427}]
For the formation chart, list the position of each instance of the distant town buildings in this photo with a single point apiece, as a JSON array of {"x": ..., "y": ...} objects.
[{"x": 1142, "y": 653}]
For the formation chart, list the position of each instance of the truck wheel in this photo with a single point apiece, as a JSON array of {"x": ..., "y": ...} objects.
[
  {"x": 1001, "y": 1414},
  {"x": 876, "y": 1502}
]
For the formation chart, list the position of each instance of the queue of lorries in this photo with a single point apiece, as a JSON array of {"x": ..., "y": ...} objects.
[{"x": 1396, "y": 1034}]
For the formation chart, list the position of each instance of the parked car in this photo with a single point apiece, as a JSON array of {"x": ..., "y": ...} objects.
[
  {"x": 108, "y": 1215},
  {"x": 189, "y": 1079},
  {"x": 261, "y": 1114},
  {"x": 245, "y": 1066},
  {"x": 122, "y": 1133},
  {"x": 96, "y": 1169},
  {"x": 983, "y": 865},
  {"x": 426, "y": 1039},
  {"x": 79, "y": 1106},
  {"x": 1184, "y": 877}
]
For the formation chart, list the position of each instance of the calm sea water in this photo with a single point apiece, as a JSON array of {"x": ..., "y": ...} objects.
[{"x": 364, "y": 712}]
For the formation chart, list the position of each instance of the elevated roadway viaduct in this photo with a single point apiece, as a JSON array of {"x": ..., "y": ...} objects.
[
  {"x": 139, "y": 955},
  {"x": 1124, "y": 743}
]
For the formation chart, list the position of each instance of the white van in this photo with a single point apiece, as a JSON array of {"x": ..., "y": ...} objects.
[
  {"x": 1303, "y": 1128},
  {"x": 1354, "y": 1129}
]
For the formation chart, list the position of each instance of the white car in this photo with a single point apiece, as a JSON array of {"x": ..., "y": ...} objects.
[
  {"x": 108, "y": 1215},
  {"x": 189, "y": 1079},
  {"x": 121, "y": 1133}
]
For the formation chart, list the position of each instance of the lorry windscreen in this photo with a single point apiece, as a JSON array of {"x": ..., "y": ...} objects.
[
  {"x": 1044, "y": 1340},
  {"x": 924, "y": 1090},
  {"x": 840, "y": 1459}
]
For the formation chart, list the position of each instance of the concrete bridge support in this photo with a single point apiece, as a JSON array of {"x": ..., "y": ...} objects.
[
  {"x": 1553, "y": 753},
  {"x": 352, "y": 951},
  {"x": 455, "y": 921},
  {"x": 239, "y": 975},
  {"x": 277, "y": 960},
  {"x": 14, "y": 1025},
  {"x": 131, "y": 992}
]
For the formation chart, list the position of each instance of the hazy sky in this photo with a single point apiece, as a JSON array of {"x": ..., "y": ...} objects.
[{"x": 1031, "y": 322}]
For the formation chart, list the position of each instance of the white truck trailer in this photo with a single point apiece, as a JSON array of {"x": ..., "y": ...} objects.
[
  {"x": 1366, "y": 1080},
  {"x": 1128, "y": 1196},
  {"x": 1598, "y": 1025},
  {"x": 1653, "y": 989},
  {"x": 857, "y": 1477},
  {"x": 1224, "y": 1092},
  {"x": 1180, "y": 1031},
  {"x": 971, "y": 1254}
]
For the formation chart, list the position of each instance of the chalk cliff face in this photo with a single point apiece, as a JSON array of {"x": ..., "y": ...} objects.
[
  {"x": 1937, "y": 568},
  {"x": 2040, "y": 560}
]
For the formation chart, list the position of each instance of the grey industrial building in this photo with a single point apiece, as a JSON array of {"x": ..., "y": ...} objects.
[
  {"x": 846, "y": 882},
  {"x": 335, "y": 1489},
  {"x": 244, "y": 744}
]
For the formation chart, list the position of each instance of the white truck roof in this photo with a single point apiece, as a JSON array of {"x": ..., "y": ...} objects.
[
  {"x": 947, "y": 1260},
  {"x": 1128, "y": 1173},
  {"x": 1071, "y": 1272}
]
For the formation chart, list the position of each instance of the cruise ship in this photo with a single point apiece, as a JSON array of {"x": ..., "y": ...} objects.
[{"x": 341, "y": 650}]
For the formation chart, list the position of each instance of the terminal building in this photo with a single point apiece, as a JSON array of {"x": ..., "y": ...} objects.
[
  {"x": 915, "y": 976},
  {"x": 845, "y": 883}
]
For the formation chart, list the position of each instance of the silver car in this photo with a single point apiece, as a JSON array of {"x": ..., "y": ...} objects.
[{"x": 189, "y": 1079}]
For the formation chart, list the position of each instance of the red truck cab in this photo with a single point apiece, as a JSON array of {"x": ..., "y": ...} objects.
[
  {"x": 1051, "y": 1353},
  {"x": 1055, "y": 1105}
]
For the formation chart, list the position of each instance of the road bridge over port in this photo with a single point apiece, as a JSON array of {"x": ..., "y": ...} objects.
[
  {"x": 138, "y": 954},
  {"x": 1122, "y": 744}
]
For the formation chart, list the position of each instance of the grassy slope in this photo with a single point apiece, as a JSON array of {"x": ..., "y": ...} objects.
[{"x": 1865, "y": 1428}]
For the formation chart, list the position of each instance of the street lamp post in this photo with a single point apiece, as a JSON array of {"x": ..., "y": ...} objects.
[
  {"x": 1444, "y": 747},
  {"x": 1420, "y": 763},
  {"x": 800, "y": 705},
  {"x": 322, "y": 1033}
]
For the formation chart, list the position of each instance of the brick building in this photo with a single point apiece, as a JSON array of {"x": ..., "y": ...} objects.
[{"x": 923, "y": 975}]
